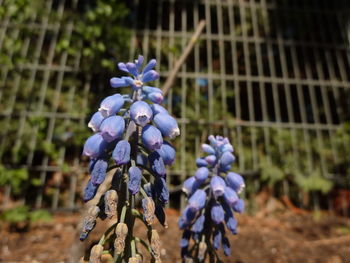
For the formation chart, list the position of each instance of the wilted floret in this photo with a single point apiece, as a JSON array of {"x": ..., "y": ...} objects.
[
  {"x": 151, "y": 137},
  {"x": 167, "y": 125},
  {"x": 141, "y": 113},
  {"x": 121, "y": 232},
  {"x": 121, "y": 152},
  {"x": 90, "y": 191},
  {"x": 96, "y": 121},
  {"x": 111, "y": 199},
  {"x": 157, "y": 163},
  {"x": 111, "y": 105},
  {"x": 112, "y": 128},
  {"x": 161, "y": 190},
  {"x": 217, "y": 185},
  {"x": 155, "y": 243},
  {"x": 235, "y": 181},
  {"x": 94, "y": 146},
  {"x": 135, "y": 176},
  {"x": 202, "y": 250},
  {"x": 96, "y": 253},
  {"x": 217, "y": 213},
  {"x": 148, "y": 209},
  {"x": 98, "y": 173},
  {"x": 89, "y": 221}
]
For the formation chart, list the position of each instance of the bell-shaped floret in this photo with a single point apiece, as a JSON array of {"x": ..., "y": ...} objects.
[
  {"x": 235, "y": 181},
  {"x": 155, "y": 97},
  {"x": 112, "y": 128},
  {"x": 121, "y": 152},
  {"x": 190, "y": 185},
  {"x": 210, "y": 159},
  {"x": 217, "y": 185},
  {"x": 90, "y": 191},
  {"x": 150, "y": 75},
  {"x": 167, "y": 125},
  {"x": 227, "y": 148},
  {"x": 96, "y": 121},
  {"x": 230, "y": 220},
  {"x": 202, "y": 174},
  {"x": 198, "y": 225},
  {"x": 227, "y": 158},
  {"x": 208, "y": 149},
  {"x": 167, "y": 152},
  {"x": 135, "y": 176},
  {"x": 94, "y": 146},
  {"x": 151, "y": 137},
  {"x": 111, "y": 105},
  {"x": 200, "y": 162},
  {"x": 141, "y": 113},
  {"x": 161, "y": 190},
  {"x": 132, "y": 69},
  {"x": 187, "y": 217},
  {"x": 217, "y": 238},
  {"x": 226, "y": 246},
  {"x": 158, "y": 109},
  {"x": 118, "y": 82},
  {"x": 217, "y": 213},
  {"x": 197, "y": 200},
  {"x": 150, "y": 65},
  {"x": 230, "y": 196},
  {"x": 239, "y": 206},
  {"x": 156, "y": 163}
]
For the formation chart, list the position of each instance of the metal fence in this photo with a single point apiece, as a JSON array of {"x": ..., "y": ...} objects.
[{"x": 274, "y": 76}]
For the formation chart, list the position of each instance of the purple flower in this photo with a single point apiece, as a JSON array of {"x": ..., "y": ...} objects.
[
  {"x": 151, "y": 137},
  {"x": 167, "y": 152},
  {"x": 157, "y": 164},
  {"x": 150, "y": 75},
  {"x": 141, "y": 113},
  {"x": 235, "y": 181},
  {"x": 167, "y": 125},
  {"x": 202, "y": 174},
  {"x": 139, "y": 62},
  {"x": 112, "y": 128},
  {"x": 158, "y": 109},
  {"x": 217, "y": 213},
  {"x": 239, "y": 206},
  {"x": 197, "y": 200},
  {"x": 150, "y": 65},
  {"x": 188, "y": 216},
  {"x": 161, "y": 190},
  {"x": 230, "y": 196},
  {"x": 111, "y": 105},
  {"x": 231, "y": 222},
  {"x": 121, "y": 152},
  {"x": 94, "y": 146},
  {"x": 200, "y": 162},
  {"x": 96, "y": 121},
  {"x": 142, "y": 159},
  {"x": 98, "y": 173},
  {"x": 90, "y": 191},
  {"x": 185, "y": 238},
  {"x": 226, "y": 246},
  {"x": 227, "y": 148},
  {"x": 227, "y": 158},
  {"x": 198, "y": 225},
  {"x": 225, "y": 169},
  {"x": 155, "y": 97},
  {"x": 190, "y": 185},
  {"x": 132, "y": 69},
  {"x": 118, "y": 82},
  {"x": 208, "y": 149},
  {"x": 217, "y": 185},
  {"x": 210, "y": 159},
  {"x": 135, "y": 175},
  {"x": 217, "y": 238}
]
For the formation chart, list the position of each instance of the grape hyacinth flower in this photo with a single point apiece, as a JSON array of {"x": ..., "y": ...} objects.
[
  {"x": 213, "y": 197},
  {"x": 129, "y": 138}
]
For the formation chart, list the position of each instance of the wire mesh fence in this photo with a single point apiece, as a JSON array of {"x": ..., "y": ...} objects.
[{"x": 272, "y": 75}]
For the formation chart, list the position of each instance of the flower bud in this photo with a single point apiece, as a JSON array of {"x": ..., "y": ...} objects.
[
  {"x": 150, "y": 65},
  {"x": 155, "y": 97},
  {"x": 121, "y": 232},
  {"x": 225, "y": 169},
  {"x": 227, "y": 158},
  {"x": 227, "y": 148},
  {"x": 212, "y": 140},
  {"x": 94, "y": 146},
  {"x": 151, "y": 137},
  {"x": 200, "y": 162},
  {"x": 98, "y": 173},
  {"x": 141, "y": 113},
  {"x": 217, "y": 238},
  {"x": 187, "y": 217},
  {"x": 150, "y": 75},
  {"x": 111, "y": 105},
  {"x": 155, "y": 243},
  {"x": 198, "y": 225},
  {"x": 197, "y": 200},
  {"x": 167, "y": 125},
  {"x": 184, "y": 242},
  {"x": 121, "y": 152},
  {"x": 131, "y": 67},
  {"x": 112, "y": 128},
  {"x": 208, "y": 149},
  {"x": 226, "y": 246},
  {"x": 111, "y": 199},
  {"x": 96, "y": 253},
  {"x": 157, "y": 163},
  {"x": 148, "y": 210},
  {"x": 161, "y": 190},
  {"x": 235, "y": 181},
  {"x": 139, "y": 61},
  {"x": 239, "y": 206},
  {"x": 210, "y": 159},
  {"x": 202, "y": 174},
  {"x": 217, "y": 185},
  {"x": 158, "y": 109},
  {"x": 118, "y": 82},
  {"x": 135, "y": 176},
  {"x": 96, "y": 121},
  {"x": 167, "y": 152},
  {"x": 217, "y": 213},
  {"x": 190, "y": 185},
  {"x": 90, "y": 191},
  {"x": 230, "y": 196},
  {"x": 202, "y": 250}
]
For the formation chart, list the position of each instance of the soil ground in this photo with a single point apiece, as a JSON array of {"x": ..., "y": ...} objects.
[{"x": 287, "y": 237}]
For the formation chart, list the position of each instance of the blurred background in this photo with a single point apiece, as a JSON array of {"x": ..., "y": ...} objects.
[{"x": 273, "y": 76}]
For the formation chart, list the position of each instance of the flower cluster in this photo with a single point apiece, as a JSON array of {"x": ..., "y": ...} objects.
[
  {"x": 129, "y": 132},
  {"x": 212, "y": 198}
]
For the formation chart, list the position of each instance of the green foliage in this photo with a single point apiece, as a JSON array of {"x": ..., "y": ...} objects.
[
  {"x": 22, "y": 214},
  {"x": 13, "y": 177}
]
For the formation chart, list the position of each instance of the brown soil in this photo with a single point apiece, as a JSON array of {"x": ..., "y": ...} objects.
[{"x": 282, "y": 238}]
